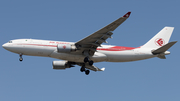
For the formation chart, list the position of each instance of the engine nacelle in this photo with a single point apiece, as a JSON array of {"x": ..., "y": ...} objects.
[
  {"x": 66, "y": 48},
  {"x": 60, "y": 65}
]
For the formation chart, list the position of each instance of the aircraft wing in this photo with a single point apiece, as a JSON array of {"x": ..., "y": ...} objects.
[
  {"x": 91, "y": 42},
  {"x": 94, "y": 68}
]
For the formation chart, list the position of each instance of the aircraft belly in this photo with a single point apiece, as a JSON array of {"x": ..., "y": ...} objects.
[
  {"x": 67, "y": 56},
  {"x": 120, "y": 56},
  {"x": 33, "y": 50},
  {"x": 40, "y": 51},
  {"x": 97, "y": 57},
  {"x": 126, "y": 56}
]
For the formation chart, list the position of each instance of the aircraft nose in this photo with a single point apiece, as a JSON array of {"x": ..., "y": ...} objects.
[
  {"x": 4, "y": 46},
  {"x": 8, "y": 46}
]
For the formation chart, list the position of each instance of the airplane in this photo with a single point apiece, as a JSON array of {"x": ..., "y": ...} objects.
[{"x": 90, "y": 50}]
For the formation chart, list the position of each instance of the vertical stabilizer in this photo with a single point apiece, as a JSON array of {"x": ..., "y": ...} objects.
[{"x": 160, "y": 38}]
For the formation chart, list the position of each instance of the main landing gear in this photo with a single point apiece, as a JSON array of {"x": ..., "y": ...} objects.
[
  {"x": 84, "y": 70},
  {"x": 20, "y": 59},
  {"x": 86, "y": 59}
]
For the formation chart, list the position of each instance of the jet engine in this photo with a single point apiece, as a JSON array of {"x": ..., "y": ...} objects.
[
  {"x": 66, "y": 48},
  {"x": 61, "y": 65}
]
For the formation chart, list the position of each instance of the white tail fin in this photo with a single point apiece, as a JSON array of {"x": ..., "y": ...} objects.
[{"x": 160, "y": 38}]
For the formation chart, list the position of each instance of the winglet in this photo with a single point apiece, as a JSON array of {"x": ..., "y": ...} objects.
[
  {"x": 102, "y": 69},
  {"x": 127, "y": 14}
]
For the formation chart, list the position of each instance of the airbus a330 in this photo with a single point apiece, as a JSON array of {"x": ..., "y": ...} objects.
[{"x": 90, "y": 50}]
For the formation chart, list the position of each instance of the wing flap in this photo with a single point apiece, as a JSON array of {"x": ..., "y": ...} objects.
[{"x": 94, "y": 68}]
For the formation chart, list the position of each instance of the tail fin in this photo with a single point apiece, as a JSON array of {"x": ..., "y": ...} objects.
[{"x": 160, "y": 38}]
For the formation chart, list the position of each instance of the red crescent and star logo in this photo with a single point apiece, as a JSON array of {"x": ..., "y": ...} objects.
[{"x": 159, "y": 42}]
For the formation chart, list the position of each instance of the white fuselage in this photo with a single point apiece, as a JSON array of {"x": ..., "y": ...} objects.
[{"x": 48, "y": 48}]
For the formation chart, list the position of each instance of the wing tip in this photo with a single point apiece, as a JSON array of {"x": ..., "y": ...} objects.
[
  {"x": 102, "y": 69},
  {"x": 127, "y": 15}
]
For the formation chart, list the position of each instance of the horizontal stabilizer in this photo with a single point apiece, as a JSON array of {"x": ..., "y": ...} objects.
[{"x": 163, "y": 48}]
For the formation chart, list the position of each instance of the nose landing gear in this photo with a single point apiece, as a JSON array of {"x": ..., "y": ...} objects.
[{"x": 20, "y": 59}]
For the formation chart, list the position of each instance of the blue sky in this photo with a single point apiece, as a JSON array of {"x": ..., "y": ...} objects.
[{"x": 34, "y": 79}]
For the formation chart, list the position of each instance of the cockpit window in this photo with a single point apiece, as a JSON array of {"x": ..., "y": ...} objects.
[{"x": 10, "y": 42}]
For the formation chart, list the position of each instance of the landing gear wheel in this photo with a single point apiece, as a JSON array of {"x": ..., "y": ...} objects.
[
  {"x": 86, "y": 59},
  {"x": 20, "y": 59},
  {"x": 91, "y": 63},
  {"x": 87, "y": 72},
  {"x": 82, "y": 69}
]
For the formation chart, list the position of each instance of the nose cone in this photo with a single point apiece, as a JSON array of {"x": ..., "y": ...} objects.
[
  {"x": 5, "y": 46},
  {"x": 9, "y": 47}
]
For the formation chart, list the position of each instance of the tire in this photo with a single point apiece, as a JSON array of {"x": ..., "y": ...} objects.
[
  {"x": 86, "y": 59},
  {"x": 87, "y": 72},
  {"x": 82, "y": 69},
  {"x": 20, "y": 59},
  {"x": 91, "y": 63}
]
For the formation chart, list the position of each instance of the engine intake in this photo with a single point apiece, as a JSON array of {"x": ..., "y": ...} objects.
[
  {"x": 66, "y": 48},
  {"x": 60, "y": 65}
]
